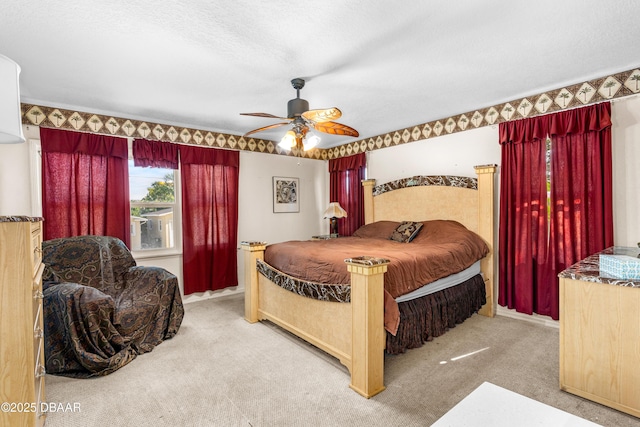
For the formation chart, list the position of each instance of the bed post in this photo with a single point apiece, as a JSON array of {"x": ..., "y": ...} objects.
[
  {"x": 485, "y": 230},
  {"x": 253, "y": 251},
  {"x": 368, "y": 335},
  {"x": 367, "y": 187}
]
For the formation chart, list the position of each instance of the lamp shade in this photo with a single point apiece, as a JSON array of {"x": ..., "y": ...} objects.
[
  {"x": 288, "y": 141},
  {"x": 334, "y": 211},
  {"x": 10, "y": 123},
  {"x": 310, "y": 141}
]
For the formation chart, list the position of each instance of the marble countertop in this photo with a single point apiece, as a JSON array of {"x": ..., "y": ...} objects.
[
  {"x": 588, "y": 269},
  {"x": 19, "y": 218}
]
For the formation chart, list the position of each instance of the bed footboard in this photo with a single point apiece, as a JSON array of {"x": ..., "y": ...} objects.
[
  {"x": 352, "y": 332},
  {"x": 368, "y": 333},
  {"x": 253, "y": 251}
]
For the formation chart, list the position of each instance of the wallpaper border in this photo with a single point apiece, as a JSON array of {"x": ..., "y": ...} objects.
[{"x": 614, "y": 86}]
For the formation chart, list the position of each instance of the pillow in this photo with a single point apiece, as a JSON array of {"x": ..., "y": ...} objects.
[
  {"x": 376, "y": 230},
  {"x": 443, "y": 232},
  {"x": 406, "y": 231}
]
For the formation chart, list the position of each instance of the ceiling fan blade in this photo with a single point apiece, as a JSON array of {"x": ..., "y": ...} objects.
[
  {"x": 335, "y": 129},
  {"x": 265, "y": 128},
  {"x": 323, "y": 115},
  {"x": 267, "y": 115}
]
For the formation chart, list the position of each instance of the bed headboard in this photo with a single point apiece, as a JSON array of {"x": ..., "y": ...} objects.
[
  {"x": 469, "y": 201},
  {"x": 422, "y": 198}
]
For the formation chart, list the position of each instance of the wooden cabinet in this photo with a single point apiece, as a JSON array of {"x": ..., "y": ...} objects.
[
  {"x": 21, "y": 322},
  {"x": 600, "y": 337}
]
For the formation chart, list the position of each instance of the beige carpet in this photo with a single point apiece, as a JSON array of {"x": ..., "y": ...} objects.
[{"x": 222, "y": 371}]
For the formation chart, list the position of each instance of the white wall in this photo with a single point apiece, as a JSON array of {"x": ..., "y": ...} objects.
[
  {"x": 454, "y": 154},
  {"x": 625, "y": 134},
  {"x": 16, "y": 177},
  {"x": 15, "y": 192},
  {"x": 256, "y": 219}
]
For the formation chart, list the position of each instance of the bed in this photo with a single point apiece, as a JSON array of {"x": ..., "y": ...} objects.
[{"x": 348, "y": 320}]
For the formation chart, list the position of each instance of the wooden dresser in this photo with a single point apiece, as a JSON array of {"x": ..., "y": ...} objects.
[
  {"x": 21, "y": 322},
  {"x": 600, "y": 334}
]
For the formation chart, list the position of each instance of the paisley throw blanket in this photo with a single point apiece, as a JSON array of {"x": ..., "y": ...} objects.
[{"x": 100, "y": 309}]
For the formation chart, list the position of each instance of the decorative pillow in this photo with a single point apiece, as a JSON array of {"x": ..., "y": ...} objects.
[
  {"x": 406, "y": 231},
  {"x": 377, "y": 230}
]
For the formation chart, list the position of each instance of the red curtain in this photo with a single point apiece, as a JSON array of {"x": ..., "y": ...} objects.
[
  {"x": 533, "y": 250},
  {"x": 209, "y": 218},
  {"x": 523, "y": 217},
  {"x": 581, "y": 190},
  {"x": 345, "y": 187},
  {"x": 155, "y": 154},
  {"x": 85, "y": 187}
]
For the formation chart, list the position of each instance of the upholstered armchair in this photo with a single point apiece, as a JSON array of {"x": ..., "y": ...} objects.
[{"x": 100, "y": 309}]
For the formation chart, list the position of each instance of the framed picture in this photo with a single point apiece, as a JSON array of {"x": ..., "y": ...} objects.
[{"x": 286, "y": 194}]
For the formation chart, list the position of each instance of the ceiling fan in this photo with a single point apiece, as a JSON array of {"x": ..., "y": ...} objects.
[{"x": 302, "y": 120}]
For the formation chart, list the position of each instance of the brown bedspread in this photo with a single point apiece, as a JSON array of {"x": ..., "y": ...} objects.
[{"x": 441, "y": 248}]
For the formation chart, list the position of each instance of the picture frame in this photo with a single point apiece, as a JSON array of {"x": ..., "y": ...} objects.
[{"x": 286, "y": 194}]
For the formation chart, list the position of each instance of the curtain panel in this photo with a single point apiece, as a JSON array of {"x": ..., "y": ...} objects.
[
  {"x": 209, "y": 218},
  {"x": 85, "y": 188},
  {"x": 523, "y": 215},
  {"x": 155, "y": 154},
  {"x": 345, "y": 187},
  {"x": 581, "y": 207},
  {"x": 65, "y": 141},
  {"x": 542, "y": 235}
]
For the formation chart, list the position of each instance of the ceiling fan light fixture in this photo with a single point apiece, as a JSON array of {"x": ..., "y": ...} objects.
[
  {"x": 310, "y": 141},
  {"x": 288, "y": 141},
  {"x": 302, "y": 120}
]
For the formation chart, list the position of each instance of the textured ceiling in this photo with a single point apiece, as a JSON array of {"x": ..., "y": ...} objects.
[{"x": 386, "y": 65}]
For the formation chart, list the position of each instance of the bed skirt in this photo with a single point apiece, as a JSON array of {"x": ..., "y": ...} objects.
[
  {"x": 421, "y": 319},
  {"x": 430, "y": 316}
]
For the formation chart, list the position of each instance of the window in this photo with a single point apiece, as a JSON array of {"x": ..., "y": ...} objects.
[{"x": 153, "y": 203}]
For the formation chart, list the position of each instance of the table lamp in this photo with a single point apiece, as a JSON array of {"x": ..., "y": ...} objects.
[{"x": 333, "y": 212}]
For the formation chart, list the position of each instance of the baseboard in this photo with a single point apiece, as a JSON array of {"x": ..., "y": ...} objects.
[
  {"x": 222, "y": 293},
  {"x": 533, "y": 318}
]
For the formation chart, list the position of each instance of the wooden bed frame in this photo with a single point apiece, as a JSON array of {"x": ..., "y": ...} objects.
[{"x": 325, "y": 324}]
